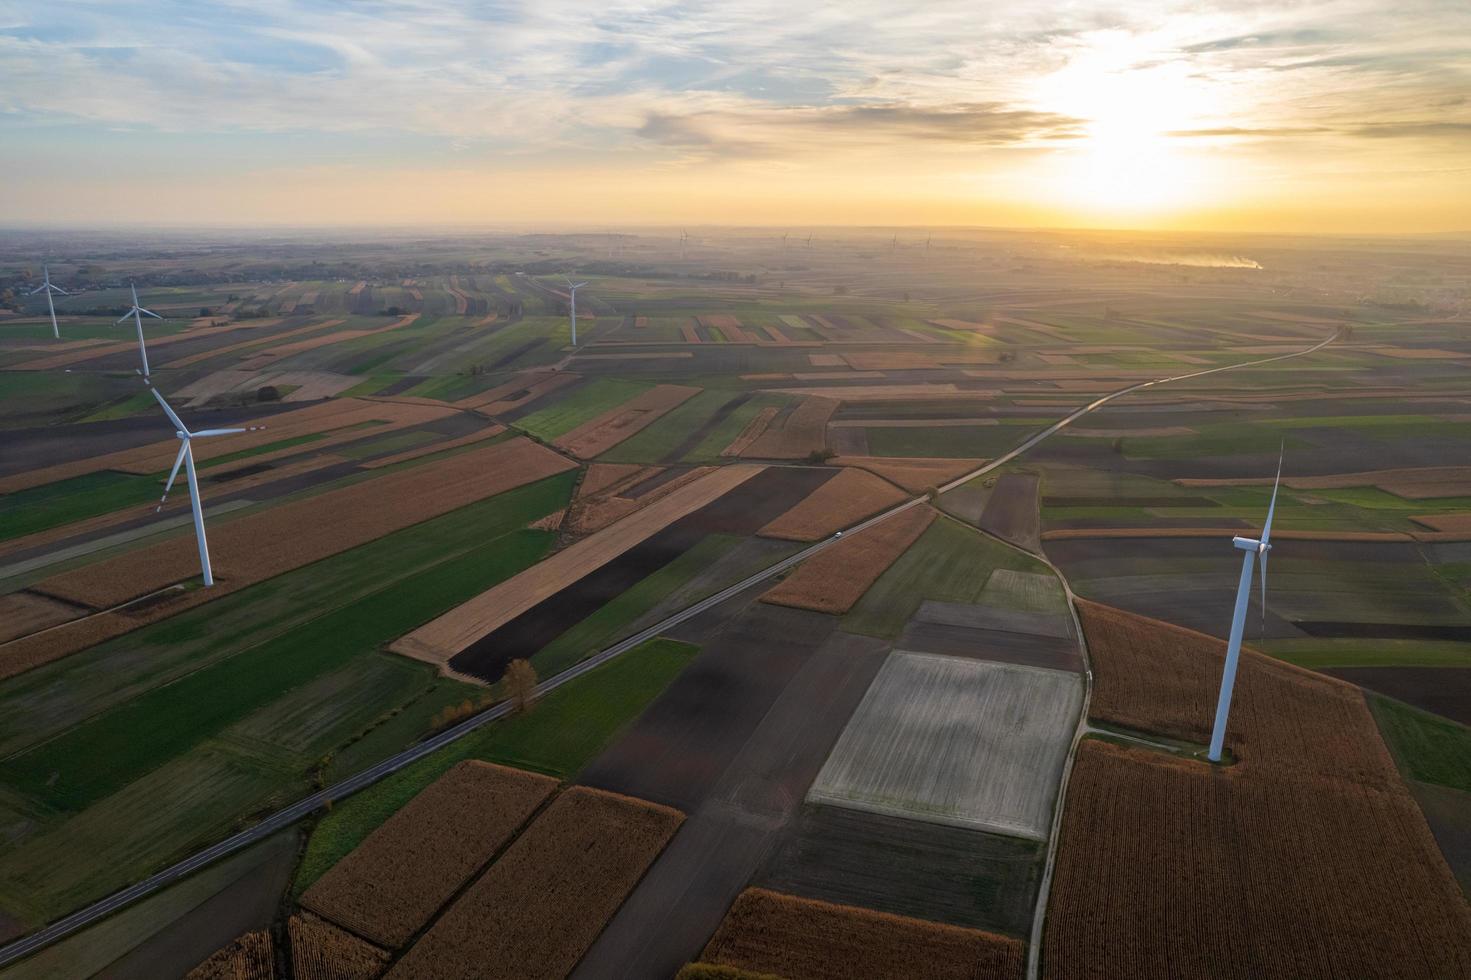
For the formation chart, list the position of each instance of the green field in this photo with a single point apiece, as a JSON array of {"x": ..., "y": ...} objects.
[
  {"x": 1427, "y": 747},
  {"x": 581, "y": 405},
  {"x": 559, "y": 735},
  {"x": 74, "y": 499},
  {"x": 950, "y": 563}
]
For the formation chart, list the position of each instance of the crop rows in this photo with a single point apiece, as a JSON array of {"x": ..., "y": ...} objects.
[
  {"x": 321, "y": 951},
  {"x": 766, "y": 932},
  {"x": 540, "y": 906},
  {"x": 251, "y": 957},
  {"x": 844, "y": 500},
  {"x": 395, "y": 881},
  {"x": 833, "y": 580},
  {"x": 803, "y": 432}
]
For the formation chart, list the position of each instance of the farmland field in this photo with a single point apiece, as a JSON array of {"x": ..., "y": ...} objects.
[
  {"x": 961, "y": 742},
  {"x": 868, "y": 749}
]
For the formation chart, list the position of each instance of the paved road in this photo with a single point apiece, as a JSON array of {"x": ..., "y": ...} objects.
[{"x": 61, "y": 928}]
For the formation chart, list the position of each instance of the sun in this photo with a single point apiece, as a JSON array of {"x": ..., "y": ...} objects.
[{"x": 1128, "y": 102}]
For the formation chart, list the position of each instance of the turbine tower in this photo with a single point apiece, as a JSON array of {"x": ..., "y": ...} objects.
[
  {"x": 1252, "y": 549},
  {"x": 572, "y": 288},
  {"x": 48, "y": 288},
  {"x": 809, "y": 239},
  {"x": 138, "y": 313},
  {"x": 186, "y": 457},
  {"x": 684, "y": 237}
]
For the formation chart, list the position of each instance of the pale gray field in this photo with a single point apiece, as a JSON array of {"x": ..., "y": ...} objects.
[{"x": 963, "y": 742}]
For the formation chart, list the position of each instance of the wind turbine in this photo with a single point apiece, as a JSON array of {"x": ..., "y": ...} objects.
[
  {"x": 894, "y": 243},
  {"x": 186, "y": 458},
  {"x": 684, "y": 237},
  {"x": 809, "y": 239},
  {"x": 784, "y": 241},
  {"x": 47, "y": 288},
  {"x": 1252, "y": 549},
  {"x": 572, "y": 288},
  {"x": 138, "y": 313}
]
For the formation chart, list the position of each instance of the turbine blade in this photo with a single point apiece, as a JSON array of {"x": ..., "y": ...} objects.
[
  {"x": 1272, "y": 507},
  {"x": 59, "y": 290},
  {"x": 178, "y": 462},
  {"x": 126, "y": 316},
  {"x": 170, "y": 412},
  {"x": 149, "y": 313},
  {"x": 214, "y": 432}
]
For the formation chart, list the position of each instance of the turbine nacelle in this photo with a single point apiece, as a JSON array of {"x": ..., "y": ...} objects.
[{"x": 1251, "y": 544}]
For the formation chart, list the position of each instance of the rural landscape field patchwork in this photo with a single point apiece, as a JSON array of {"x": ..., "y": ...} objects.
[{"x": 831, "y": 608}]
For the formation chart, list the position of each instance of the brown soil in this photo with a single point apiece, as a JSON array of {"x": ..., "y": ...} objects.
[
  {"x": 541, "y": 905},
  {"x": 842, "y": 501},
  {"x": 915, "y": 474},
  {"x": 834, "y": 579},
  {"x": 1308, "y": 856},
  {"x": 489, "y": 432},
  {"x": 803, "y": 939},
  {"x": 803, "y": 432},
  {"x": 445, "y": 637},
  {"x": 394, "y": 882},
  {"x": 753, "y": 430}
]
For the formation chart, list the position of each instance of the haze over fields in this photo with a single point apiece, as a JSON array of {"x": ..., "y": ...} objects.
[
  {"x": 735, "y": 491},
  {"x": 1327, "y": 115}
]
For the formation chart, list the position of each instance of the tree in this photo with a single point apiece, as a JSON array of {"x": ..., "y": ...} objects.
[{"x": 521, "y": 684}]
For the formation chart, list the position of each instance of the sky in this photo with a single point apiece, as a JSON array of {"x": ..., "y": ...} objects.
[{"x": 1336, "y": 116}]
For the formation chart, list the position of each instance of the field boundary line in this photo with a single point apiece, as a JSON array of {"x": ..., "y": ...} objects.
[{"x": 281, "y": 819}]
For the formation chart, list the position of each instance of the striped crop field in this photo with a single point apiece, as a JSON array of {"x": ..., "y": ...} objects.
[{"x": 964, "y": 742}]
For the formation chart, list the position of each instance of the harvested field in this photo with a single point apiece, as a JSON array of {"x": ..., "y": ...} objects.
[
  {"x": 915, "y": 474},
  {"x": 23, "y": 613},
  {"x": 520, "y": 391},
  {"x": 205, "y": 355},
  {"x": 961, "y": 742},
  {"x": 938, "y": 391},
  {"x": 272, "y": 354},
  {"x": 1458, "y": 523},
  {"x": 605, "y": 476},
  {"x": 1313, "y": 805},
  {"x": 489, "y": 432},
  {"x": 844, "y": 500},
  {"x": 687, "y": 330},
  {"x": 1445, "y": 691},
  {"x": 321, "y": 951},
  {"x": 777, "y": 337},
  {"x": 251, "y": 957},
  {"x": 335, "y": 421},
  {"x": 249, "y": 549},
  {"x": 440, "y": 640},
  {"x": 728, "y": 325},
  {"x": 905, "y": 867},
  {"x": 1012, "y": 512},
  {"x": 961, "y": 325},
  {"x": 833, "y": 580},
  {"x": 541, "y": 905},
  {"x": 826, "y": 360},
  {"x": 750, "y": 433},
  {"x": 801, "y": 939},
  {"x": 1413, "y": 483},
  {"x": 612, "y": 427},
  {"x": 395, "y": 881},
  {"x": 799, "y": 434}
]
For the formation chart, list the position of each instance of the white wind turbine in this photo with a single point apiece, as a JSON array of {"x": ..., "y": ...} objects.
[
  {"x": 48, "y": 288},
  {"x": 186, "y": 458},
  {"x": 572, "y": 288},
  {"x": 1252, "y": 549},
  {"x": 138, "y": 313}
]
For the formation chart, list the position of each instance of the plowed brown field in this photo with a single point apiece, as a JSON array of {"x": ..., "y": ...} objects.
[
  {"x": 321, "y": 951},
  {"x": 489, "y": 432},
  {"x": 337, "y": 419},
  {"x": 517, "y": 392},
  {"x": 231, "y": 348},
  {"x": 802, "y": 939},
  {"x": 273, "y": 541},
  {"x": 803, "y": 432},
  {"x": 392, "y": 884},
  {"x": 845, "y": 499},
  {"x": 835, "y": 578},
  {"x": 541, "y": 905},
  {"x": 1307, "y": 857},
  {"x": 915, "y": 474},
  {"x": 443, "y": 638},
  {"x": 633, "y": 416}
]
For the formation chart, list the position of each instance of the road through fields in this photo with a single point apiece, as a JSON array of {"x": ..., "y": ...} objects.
[{"x": 63, "y": 927}]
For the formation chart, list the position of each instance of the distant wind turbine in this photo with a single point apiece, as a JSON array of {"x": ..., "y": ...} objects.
[
  {"x": 684, "y": 237},
  {"x": 138, "y": 313},
  {"x": 784, "y": 241},
  {"x": 894, "y": 243},
  {"x": 48, "y": 288},
  {"x": 572, "y": 288},
  {"x": 1252, "y": 549},
  {"x": 809, "y": 239},
  {"x": 186, "y": 458}
]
